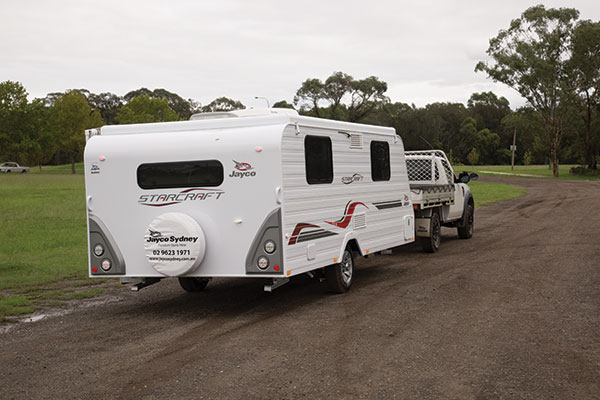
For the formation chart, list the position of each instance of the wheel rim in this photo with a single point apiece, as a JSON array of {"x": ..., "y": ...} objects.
[
  {"x": 436, "y": 235},
  {"x": 347, "y": 268}
]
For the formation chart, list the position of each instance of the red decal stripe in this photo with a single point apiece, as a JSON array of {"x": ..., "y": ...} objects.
[
  {"x": 297, "y": 230},
  {"x": 161, "y": 205},
  {"x": 348, "y": 216},
  {"x": 189, "y": 190}
]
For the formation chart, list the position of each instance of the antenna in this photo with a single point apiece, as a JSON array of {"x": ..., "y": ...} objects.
[
  {"x": 265, "y": 99},
  {"x": 425, "y": 140}
]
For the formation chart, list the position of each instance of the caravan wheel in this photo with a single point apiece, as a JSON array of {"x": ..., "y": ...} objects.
[
  {"x": 339, "y": 276},
  {"x": 193, "y": 284}
]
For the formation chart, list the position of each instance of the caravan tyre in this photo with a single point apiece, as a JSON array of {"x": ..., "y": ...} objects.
[
  {"x": 339, "y": 276},
  {"x": 193, "y": 284}
]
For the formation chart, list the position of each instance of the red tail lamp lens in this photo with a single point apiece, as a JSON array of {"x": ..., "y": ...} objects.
[{"x": 276, "y": 268}]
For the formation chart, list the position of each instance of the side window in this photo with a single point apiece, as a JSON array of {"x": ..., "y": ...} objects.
[
  {"x": 380, "y": 161},
  {"x": 318, "y": 159}
]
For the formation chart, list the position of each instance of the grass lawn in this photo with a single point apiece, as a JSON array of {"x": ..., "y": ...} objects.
[
  {"x": 486, "y": 193},
  {"x": 43, "y": 244},
  {"x": 538, "y": 170},
  {"x": 42, "y": 240},
  {"x": 57, "y": 169}
]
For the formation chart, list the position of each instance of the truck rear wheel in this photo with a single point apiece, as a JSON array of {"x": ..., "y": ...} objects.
[
  {"x": 466, "y": 231},
  {"x": 431, "y": 244},
  {"x": 339, "y": 276},
  {"x": 193, "y": 284}
]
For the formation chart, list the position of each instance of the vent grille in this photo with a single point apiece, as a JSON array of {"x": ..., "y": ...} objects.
[
  {"x": 360, "y": 221},
  {"x": 356, "y": 141}
]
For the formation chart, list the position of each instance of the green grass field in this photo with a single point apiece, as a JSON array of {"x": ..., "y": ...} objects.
[
  {"x": 57, "y": 169},
  {"x": 42, "y": 240},
  {"x": 538, "y": 170},
  {"x": 486, "y": 193},
  {"x": 43, "y": 244}
]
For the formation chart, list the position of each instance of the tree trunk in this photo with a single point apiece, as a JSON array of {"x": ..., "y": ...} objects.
[
  {"x": 554, "y": 162},
  {"x": 590, "y": 154},
  {"x": 40, "y": 165},
  {"x": 553, "y": 130},
  {"x": 73, "y": 165}
]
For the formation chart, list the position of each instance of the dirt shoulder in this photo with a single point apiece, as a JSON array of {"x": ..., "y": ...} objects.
[{"x": 511, "y": 313}]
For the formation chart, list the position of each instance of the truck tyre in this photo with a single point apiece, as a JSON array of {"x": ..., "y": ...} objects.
[
  {"x": 339, "y": 276},
  {"x": 431, "y": 244},
  {"x": 193, "y": 284},
  {"x": 466, "y": 231}
]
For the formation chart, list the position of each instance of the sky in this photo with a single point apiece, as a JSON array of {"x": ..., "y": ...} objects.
[{"x": 425, "y": 50}]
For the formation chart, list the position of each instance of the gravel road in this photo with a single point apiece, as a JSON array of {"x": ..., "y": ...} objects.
[{"x": 512, "y": 313}]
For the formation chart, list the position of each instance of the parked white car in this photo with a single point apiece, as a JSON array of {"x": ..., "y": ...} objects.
[{"x": 13, "y": 167}]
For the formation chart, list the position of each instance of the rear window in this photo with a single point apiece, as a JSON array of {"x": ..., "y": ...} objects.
[
  {"x": 318, "y": 159},
  {"x": 380, "y": 161},
  {"x": 180, "y": 174}
]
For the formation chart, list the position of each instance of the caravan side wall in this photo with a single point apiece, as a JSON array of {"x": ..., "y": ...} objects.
[{"x": 320, "y": 219}]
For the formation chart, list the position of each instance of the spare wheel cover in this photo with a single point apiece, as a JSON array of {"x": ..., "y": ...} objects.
[{"x": 174, "y": 244}]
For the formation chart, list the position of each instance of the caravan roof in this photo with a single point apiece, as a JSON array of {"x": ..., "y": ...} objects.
[{"x": 243, "y": 118}]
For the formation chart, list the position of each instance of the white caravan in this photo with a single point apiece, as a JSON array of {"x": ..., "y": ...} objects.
[{"x": 254, "y": 193}]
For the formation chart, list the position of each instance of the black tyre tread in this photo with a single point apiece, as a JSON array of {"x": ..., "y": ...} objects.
[
  {"x": 333, "y": 276},
  {"x": 193, "y": 284},
  {"x": 428, "y": 243},
  {"x": 466, "y": 231}
]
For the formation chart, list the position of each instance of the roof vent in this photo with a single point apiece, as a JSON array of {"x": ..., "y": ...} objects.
[{"x": 356, "y": 141}]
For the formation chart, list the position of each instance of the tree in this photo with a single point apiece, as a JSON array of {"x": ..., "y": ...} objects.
[
  {"x": 466, "y": 139},
  {"x": 223, "y": 104},
  {"x": 584, "y": 67},
  {"x": 13, "y": 105},
  {"x": 473, "y": 156},
  {"x": 283, "y": 104},
  {"x": 185, "y": 108},
  {"x": 108, "y": 104},
  {"x": 488, "y": 109},
  {"x": 531, "y": 57},
  {"x": 38, "y": 144},
  {"x": 365, "y": 96},
  {"x": 309, "y": 95},
  {"x": 144, "y": 109},
  {"x": 69, "y": 118}
]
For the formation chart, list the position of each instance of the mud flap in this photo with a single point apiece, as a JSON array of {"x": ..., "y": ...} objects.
[{"x": 422, "y": 227}]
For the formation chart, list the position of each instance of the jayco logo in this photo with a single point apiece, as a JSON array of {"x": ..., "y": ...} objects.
[
  {"x": 157, "y": 237},
  {"x": 243, "y": 170}
]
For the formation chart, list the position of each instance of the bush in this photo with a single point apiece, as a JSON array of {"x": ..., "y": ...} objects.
[{"x": 584, "y": 171}]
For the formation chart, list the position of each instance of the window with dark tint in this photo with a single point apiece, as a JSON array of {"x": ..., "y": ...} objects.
[
  {"x": 180, "y": 174},
  {"x": 318, "y": 158},
  {"x": 380, "y": 161}
]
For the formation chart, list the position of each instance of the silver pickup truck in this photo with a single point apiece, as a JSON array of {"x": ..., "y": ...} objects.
[{"x": 13, "y": 167}]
